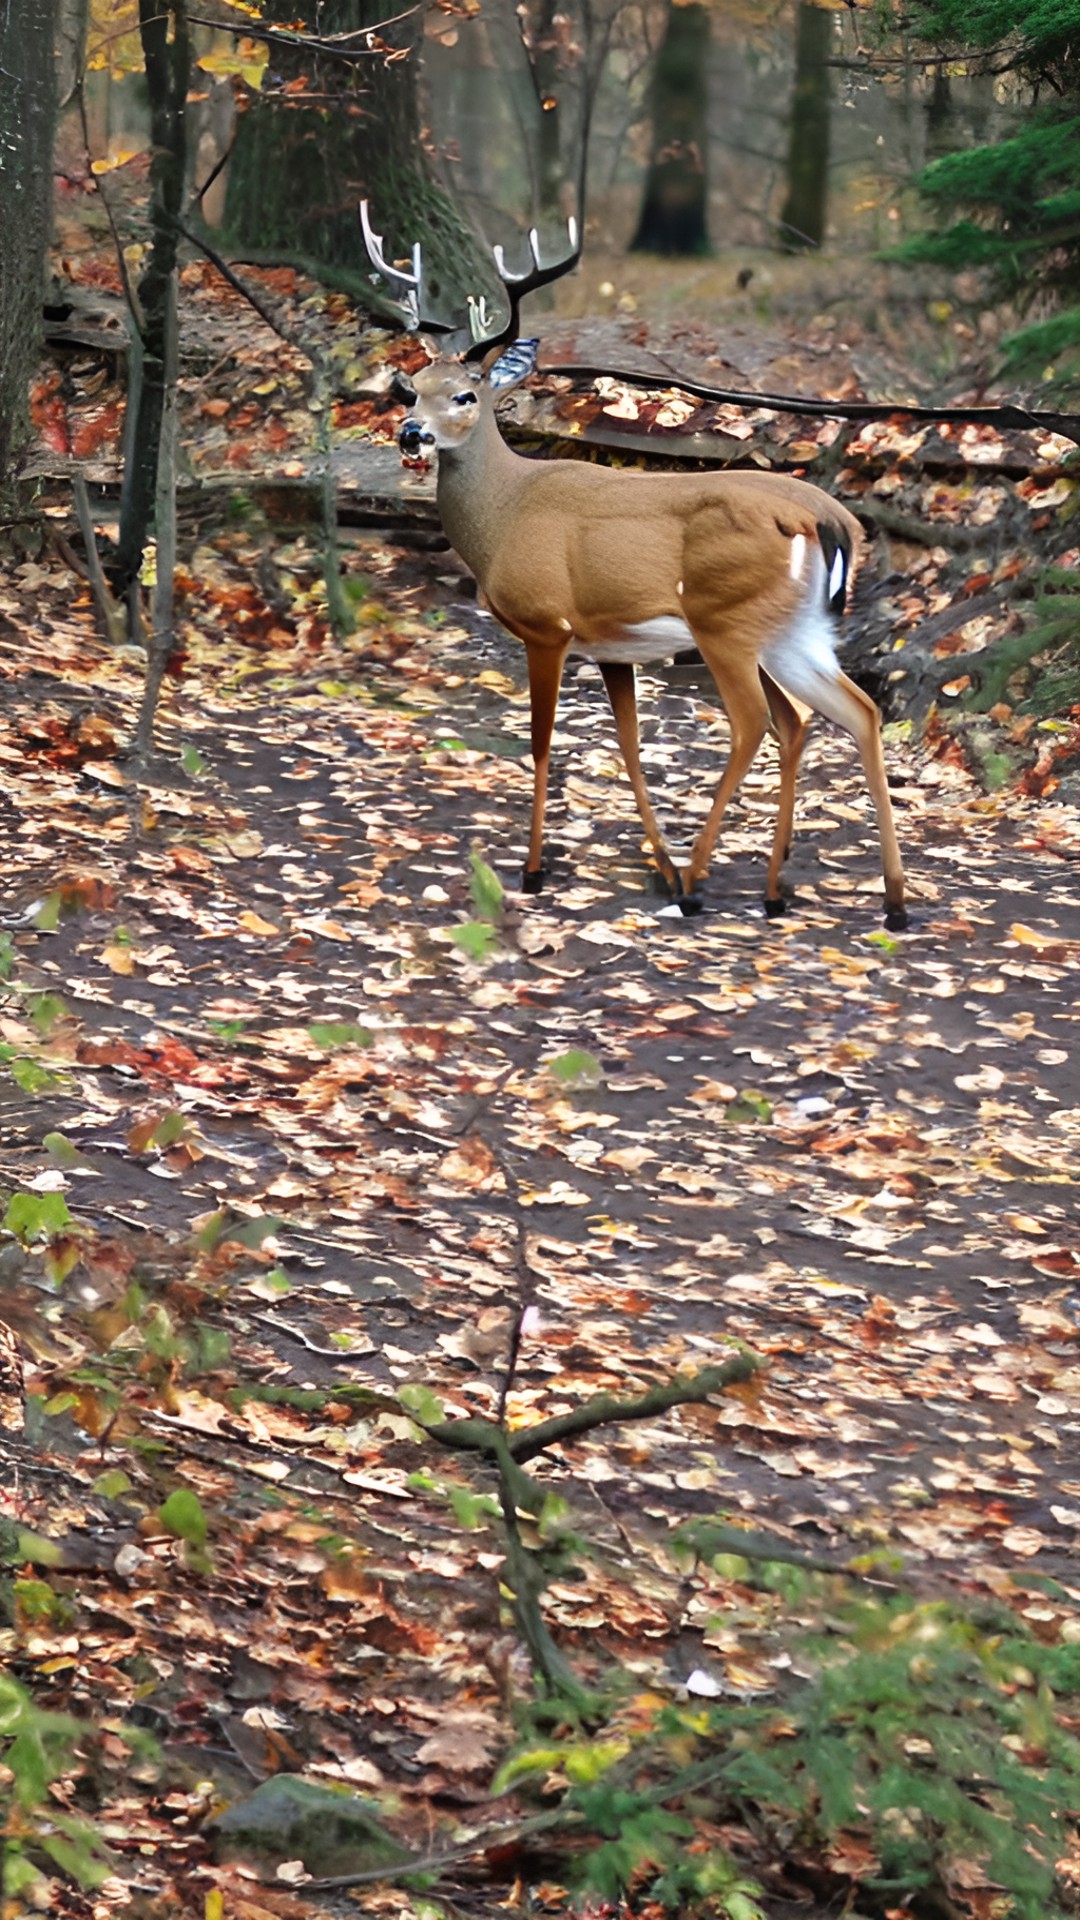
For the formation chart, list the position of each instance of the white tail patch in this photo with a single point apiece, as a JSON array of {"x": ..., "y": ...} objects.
[
  {"x": 803, "y": 655},
  {"x": 798, "y": 555},
  {"x": 837, "y": 574}
]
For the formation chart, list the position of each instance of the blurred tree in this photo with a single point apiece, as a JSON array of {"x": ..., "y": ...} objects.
[
  {"x": 803, "y": 212},
  {"x": 326, "y": 131},
  {"x": 1021, "y": 195},
  {"x": 673, "y": 210},
  {"x": 27, "y": 120}
]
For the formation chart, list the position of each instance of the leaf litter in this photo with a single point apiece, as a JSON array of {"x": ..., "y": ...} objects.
[{"x": 317, "y": 1155}]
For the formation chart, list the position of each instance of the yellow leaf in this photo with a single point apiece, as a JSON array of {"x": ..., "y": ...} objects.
[
  {"x": 254, "y": 923},
  {"x": 113, "y": 160},
  {"x": 118, "y": 957}
]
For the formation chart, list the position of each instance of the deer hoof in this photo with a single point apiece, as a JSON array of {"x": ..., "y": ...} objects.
[
  {"x": 533, "y": 882},
  {"x": 896, "y": 919},
  {"x": 689, "y": 904},
  {"x": 774, "y": 908}
]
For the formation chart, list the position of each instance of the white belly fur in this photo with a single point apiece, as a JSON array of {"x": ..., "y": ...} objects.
[
  {"x": 802, "y": 657},
  {"x": 641, "y": 645}
]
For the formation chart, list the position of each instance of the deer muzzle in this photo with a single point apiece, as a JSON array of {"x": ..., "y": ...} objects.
[{"x": 416, "y": 442}]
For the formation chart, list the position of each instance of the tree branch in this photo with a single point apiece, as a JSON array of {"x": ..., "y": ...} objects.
[{"x": 1028, "y": 419}]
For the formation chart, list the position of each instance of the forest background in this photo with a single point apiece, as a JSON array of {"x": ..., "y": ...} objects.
[{"x": 531, "y": 1406}]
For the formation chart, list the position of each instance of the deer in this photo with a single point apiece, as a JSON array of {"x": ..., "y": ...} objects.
[{"x": 748, "y": 567}]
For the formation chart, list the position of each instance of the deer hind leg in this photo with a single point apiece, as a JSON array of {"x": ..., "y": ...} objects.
[
  {"x": 743, "y": 695},
  {"x": 618, "y": 677},
  {"x": 838, "y": 698},
  {"x": 862, "y": 720},
  {"x": 545, "y": 678},
  {"x": 790, "y": 720}
]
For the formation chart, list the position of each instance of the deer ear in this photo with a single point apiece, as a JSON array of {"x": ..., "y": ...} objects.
[{"x": 512, "y": 366}]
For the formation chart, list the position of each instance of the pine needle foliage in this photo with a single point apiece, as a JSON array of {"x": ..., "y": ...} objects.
[
  {"x": 1014, "y": 207},
  {"x": 923, "y": 1739},
  {"x": 933, "y": 1740}
]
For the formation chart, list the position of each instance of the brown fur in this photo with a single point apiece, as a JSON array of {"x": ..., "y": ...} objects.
[{"x": 562, "y": 549}]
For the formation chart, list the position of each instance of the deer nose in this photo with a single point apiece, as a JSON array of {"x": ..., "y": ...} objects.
[{"x": 413, "y": 437}]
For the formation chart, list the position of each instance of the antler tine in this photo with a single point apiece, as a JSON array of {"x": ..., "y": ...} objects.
[
  {"x": 516, "y": 286},
  {"x": 538, "y": 276},
  {"x": 411, "y": 282}
]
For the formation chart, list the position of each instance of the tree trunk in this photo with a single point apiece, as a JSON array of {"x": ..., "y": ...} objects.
[
  {"x": 27, "y": 124},
  {"x": 673, "y": 216},
  {"x": 298, "y": 168},
  {"x": 804, "y": 210},
  {"x": 168, "y": 67}
]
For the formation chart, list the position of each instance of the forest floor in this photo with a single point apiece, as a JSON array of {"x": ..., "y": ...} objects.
[{"x": 272, "y": 1119}]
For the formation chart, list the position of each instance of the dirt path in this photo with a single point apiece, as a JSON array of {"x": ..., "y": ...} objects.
[{"x": 856, "y": 1152}]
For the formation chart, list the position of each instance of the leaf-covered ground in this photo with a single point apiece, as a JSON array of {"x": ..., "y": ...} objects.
[
  {"x": 306, "y": 1140},
  {"x": 268, "y": 1126}
]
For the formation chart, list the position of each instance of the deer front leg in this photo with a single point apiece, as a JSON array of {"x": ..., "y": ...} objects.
[
  {"x": 743, "y": 696},
  {"x": 618, "y": 677},
  {"x": 545, "y": 679}
]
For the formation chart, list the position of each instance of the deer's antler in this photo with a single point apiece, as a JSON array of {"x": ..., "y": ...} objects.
[
  {"x": 484, "y": 333},
  {"x": 410, "y": 302},
  {"x": 517, "y": 285}
]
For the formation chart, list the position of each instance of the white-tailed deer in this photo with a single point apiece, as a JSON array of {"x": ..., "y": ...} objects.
[{"x": 625, "y": 567}]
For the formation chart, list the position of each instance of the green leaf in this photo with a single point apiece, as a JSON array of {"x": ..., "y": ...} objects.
[
  {"x": 211, "y": 1230},
  {"x": 26, "y": 1758},
  {"x": 192, "y": 762},
  {"x": 471, "y": 1510},
  {"x": 32, "y": 1077},
  {"x": 183, "y": 1517},
  {"x": 170, "y": 1128},
  {"x": 576, "y": 1067},
  {"x": 73, "y": 1853},
  {"x": 541, "y": 1760},
  {"x": 60, "y": 1403},
  {"x": 339, "y": 1033},
  {"x": 36, "y": 1216},
  {"x": 476, "y": 938},
  {"x": 37, "y": 1550},
  {"x": 47, "y": 917},
  {"x": 112, "y": 1483},
  {"x": 45, "y": 1009},
  {"x": 63, "y": 1152},
  {"x": 424, "y": 1406},
  {"x": 486, "y": 889}
]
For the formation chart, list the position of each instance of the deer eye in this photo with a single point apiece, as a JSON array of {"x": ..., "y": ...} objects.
[{"x": 466, "y": 399}]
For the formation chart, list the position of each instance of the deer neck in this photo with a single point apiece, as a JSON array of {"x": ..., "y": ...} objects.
[{"x": 477, "y": 483}]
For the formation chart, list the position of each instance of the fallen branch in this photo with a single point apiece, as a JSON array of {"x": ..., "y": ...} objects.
[{"x": 1028, "y": 419}]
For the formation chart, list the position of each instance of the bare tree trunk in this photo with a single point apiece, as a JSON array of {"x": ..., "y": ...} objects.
[
  {"x": 27, "y": 123},
  {"x": 673, "y": 216},
  {"x": 803, "y": 213},
  {"x": 297, "y": 170},
  {"x": 71, "y": 45},
  {"x": 168, "y": 68}
]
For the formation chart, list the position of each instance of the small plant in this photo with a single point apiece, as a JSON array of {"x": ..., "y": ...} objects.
[
  {"x": 333, "y": 1034},
  {"x": 480, "y": 936},
  {"x": 37, "y": 1747}
]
